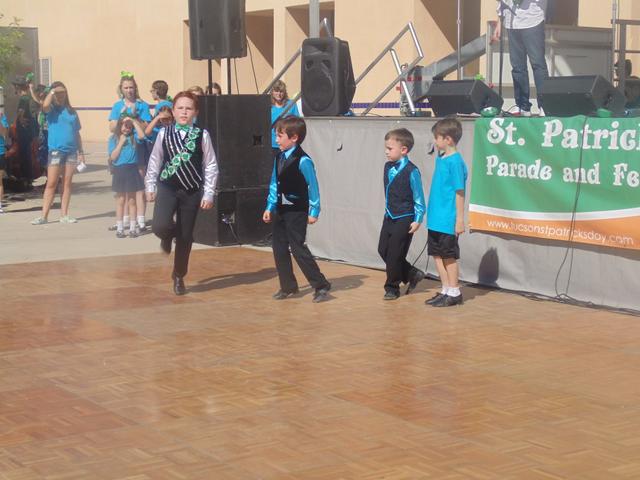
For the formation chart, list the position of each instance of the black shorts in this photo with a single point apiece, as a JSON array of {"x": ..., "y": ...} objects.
[
  {"x": 3, "y": 164},
  {"x": 443, "y": 245}
]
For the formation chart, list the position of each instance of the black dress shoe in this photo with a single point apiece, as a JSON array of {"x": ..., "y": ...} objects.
[
  {"x": 321, "y": 294},
  {"x": 448, "y": 301},
  {"x": 436, "y": 298},
  {"x": 281, "y": 294},
  {"x": 415, "y": 277},
  {"x": 178, "y": 286},
  {"x": 391, "y": 296},
  {"x": 165, "y": 245}
]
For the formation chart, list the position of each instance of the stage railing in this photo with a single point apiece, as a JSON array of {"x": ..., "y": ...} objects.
[
  {"x": 621, "y": 29},
  {"x": 403, "y": 71}
]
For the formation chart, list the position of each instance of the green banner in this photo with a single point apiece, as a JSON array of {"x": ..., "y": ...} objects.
[{"x": 561, "y": 178}]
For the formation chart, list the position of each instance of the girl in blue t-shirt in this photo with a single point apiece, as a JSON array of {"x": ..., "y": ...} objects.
[
  {"x": 130, "y": 105},
  {"x": 279, "y": 102},
  {"x": 65, "y": 150},
  {"x": 123, "y": 163}
]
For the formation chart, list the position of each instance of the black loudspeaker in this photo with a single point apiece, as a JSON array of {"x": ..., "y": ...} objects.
[
  {"x": 216, "y": 29},
  {"x": 328, "y": 84},
  {"x": 236, "y": 218},
  {"x": 240, "y": 128},
  {"x": 580, "y": 95},
  {"x": 461, "y": 96}
]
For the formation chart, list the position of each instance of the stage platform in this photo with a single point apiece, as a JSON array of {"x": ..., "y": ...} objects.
[
  {"x": 349, "y": 157},
  {"x": 108, "y": 375}
]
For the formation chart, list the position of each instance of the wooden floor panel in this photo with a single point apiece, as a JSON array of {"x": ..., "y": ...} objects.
[{"x": 108, "y": 375}]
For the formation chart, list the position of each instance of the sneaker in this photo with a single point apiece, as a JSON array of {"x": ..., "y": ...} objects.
[
  {"x": 1, "y": 210},
  {"x": 134, "y": 233},
  {"x": 112, "y": 228},
  {"x": 281, "y": 294},
  {"x": 447, "y": 301},
  {"x": 518, "y": 112},
  {"x": 121, "y": 234},
  {"x": 415, "y": 276},
  {"x": 39, "y": 221},
  {"x": 68, "y": 219},
  {"x": 391, "y": 296},
  {"x": 436, "y": 298}
]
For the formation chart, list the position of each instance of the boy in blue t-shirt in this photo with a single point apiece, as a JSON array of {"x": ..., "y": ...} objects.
[{"x": 445, "y": 211}]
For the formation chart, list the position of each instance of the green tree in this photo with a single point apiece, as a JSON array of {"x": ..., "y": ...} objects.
[{"x": 9, "y": 47}]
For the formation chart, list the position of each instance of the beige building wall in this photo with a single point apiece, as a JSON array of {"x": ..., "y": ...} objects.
[{"x": 91, "y": 41}]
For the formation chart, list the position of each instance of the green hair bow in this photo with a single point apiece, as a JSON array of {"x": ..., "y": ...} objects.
[{"x": 125, "y": 74}]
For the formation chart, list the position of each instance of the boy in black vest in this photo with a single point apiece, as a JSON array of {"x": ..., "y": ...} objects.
[
  {"x": 404, "y": 211},
  {"x": 294, "y": 202}
]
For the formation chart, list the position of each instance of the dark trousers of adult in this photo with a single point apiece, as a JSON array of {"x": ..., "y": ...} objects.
[
  {"x": 523, "y": 43},
  {"x": 184, "y": 205},
  {"x": 26, "y": 136},
  {"x": 393, "y": 247},
  {"x": 289, "y": 234}
]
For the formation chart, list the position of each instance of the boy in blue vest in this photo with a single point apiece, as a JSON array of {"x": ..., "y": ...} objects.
[
  {"x": 445, "y": 211},
  {"x": 404, "y": 211},
  {"x": 294, "y": 202}
]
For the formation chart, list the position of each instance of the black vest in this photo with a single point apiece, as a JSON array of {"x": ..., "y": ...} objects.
[
  {"x": 398, "y": 193},
  {"x": 189, "y": 176},
  {"x": 292, "y": 184}
]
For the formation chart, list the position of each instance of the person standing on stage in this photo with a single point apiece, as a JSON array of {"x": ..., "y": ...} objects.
[
  {"x": 525, "y": 22},
  {"x": 181, "y": 177},
  {"x": 279, "y": 102},
  {"x": 404, "y": 211},
  {"x": 294, "y": 202},
  {"x": 445, "y": 211}
]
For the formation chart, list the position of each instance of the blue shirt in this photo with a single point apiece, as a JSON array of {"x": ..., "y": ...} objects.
[
  {"x": 5, "y": 125},
  {"x": 160, "y": 104},
  {"x": 276, "y": 112},
  {"x": 64, "y": 126},
  {"x": 415, "y": 180},
  {"x": 127, "y": 152},
  {"x": 449, "y": 176},
  {"x": 309, "y": 173}
]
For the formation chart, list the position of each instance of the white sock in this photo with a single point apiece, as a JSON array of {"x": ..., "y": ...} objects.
[
  {"x": 444, "y": 290},
  {"x": 125, "y": 220},
  {"x": 119, "y": 226},
  {"x": 132, "y": 226},
  {"x": 453, "y": 292},
  {"x": 141, "y": 221}
]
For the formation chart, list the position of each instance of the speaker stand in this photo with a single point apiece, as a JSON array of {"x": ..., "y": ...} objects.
[
  {"x": 210, "y": 72},
  {"x": 229, "y": 76}
]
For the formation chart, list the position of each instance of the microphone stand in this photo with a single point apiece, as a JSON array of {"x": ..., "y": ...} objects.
[{"x": 503, "y": 7}]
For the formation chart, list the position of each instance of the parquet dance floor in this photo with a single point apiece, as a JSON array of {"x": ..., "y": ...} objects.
[{"x": 107, "y": 375}]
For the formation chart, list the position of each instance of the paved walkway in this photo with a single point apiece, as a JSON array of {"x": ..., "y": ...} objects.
[{"x": 92, "y": 203}]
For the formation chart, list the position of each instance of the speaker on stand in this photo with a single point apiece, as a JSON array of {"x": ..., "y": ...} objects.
[
  {"x": 328, "y": 83},
  {"x": 217, "y": 30}
]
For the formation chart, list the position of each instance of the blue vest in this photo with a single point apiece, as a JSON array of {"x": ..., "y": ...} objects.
[{"x": 398, "y": 193}]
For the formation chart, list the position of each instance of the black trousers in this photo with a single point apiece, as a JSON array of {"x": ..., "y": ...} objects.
[
  {"x": 393, "y": 247},
  {"x": 289, "y": 234},
  {"x": 184, "y": 205}
]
